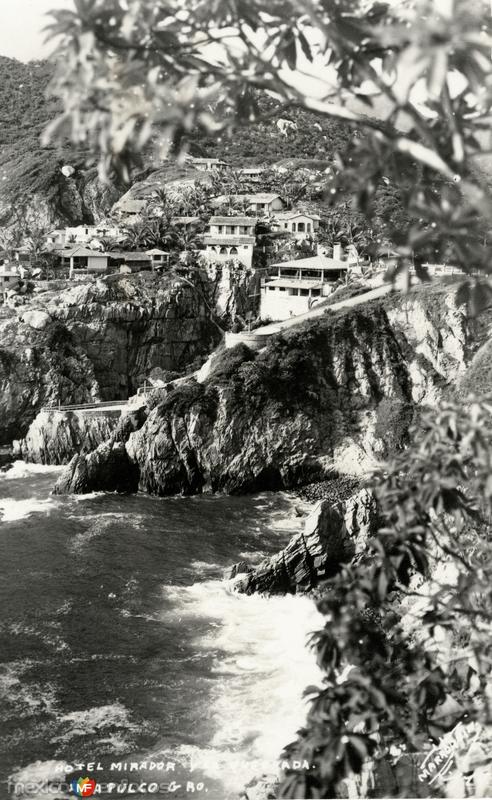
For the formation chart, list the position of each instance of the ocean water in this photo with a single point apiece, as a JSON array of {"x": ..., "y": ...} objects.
[{"x": 122, "y": 648}]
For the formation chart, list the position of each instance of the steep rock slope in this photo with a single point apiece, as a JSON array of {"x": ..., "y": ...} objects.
[
  {"x": 30, "y": 173},
  {"x": 98, "y": 340},
  {"x": 332, "y": 535},
  {"x": 54, "y": 435},
  {"x": 329, "y": 396}
]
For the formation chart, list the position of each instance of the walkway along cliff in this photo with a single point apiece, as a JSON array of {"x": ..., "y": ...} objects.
[
  {"x": 99, "y": 341},
  {"x": 331, "y": 396}
]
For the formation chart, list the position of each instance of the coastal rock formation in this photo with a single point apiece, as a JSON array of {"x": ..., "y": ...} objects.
[
  {"x": 107, "y": 468},
  {"x": 437, "y": 339},
  {"x": 96, "y": 341},
  {"x": 55, "y": 436},
  {"x": 332, "y": 535},
  {"x": 39, "y": 368},
  {"x": 329, "y": 396}
]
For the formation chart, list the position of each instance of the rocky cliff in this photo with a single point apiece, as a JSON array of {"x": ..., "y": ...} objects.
[
  {"x": 329, "y": 396},
  {"x": 332, "y": 535},
  {"x": 32, "y": 178},
  {"x": 97, "y": 340}
]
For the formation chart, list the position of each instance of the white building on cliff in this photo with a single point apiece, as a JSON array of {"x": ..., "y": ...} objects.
[
  {"x": 229, "y": 238},
  {"x": 299, "y": 285}
]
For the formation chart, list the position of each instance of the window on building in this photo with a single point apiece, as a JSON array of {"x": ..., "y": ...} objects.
[
  {"x": 282, "y": 288},
  {"x": 315, "y": 292},
  {"x": 301, "y": 227},
  {"x": 304, "y": 292},
  {"x": 308, "y": 227},
  {"x": 223, "y": 251},
  {"x": 285, "y": 225},
  {"x": 233, "y": 251},
  {"x": 294, "y": 227},
  {"x": 288, "y": 273}
]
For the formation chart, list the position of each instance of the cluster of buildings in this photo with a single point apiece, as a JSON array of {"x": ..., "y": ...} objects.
[{"x": 288, "y": 288}]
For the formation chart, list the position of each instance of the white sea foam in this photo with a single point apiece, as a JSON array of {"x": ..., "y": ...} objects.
[
  {"x": 80, "y": 498},
  {"x": 40, "y": 774},
  {"x": 22, "y": 470},
  {"x": 12, "y": 509},
  {"x": 262, "y": 665},
  {"x": 100, "y": 720},
  {"x": 27, "y": 698},
  {"x": 92, "y": 719}
]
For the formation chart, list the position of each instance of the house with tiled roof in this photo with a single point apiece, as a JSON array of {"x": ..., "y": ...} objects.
[
  {"x": 261, "y": 203},
  {"x": 80, "y": 258},
  {"x": 207, "y": 164},
  {"x": 252, "y": 174},
  {"x": 298, "y": 285},
  {"x": 230, "y": 237},
  {"x": 300, "y": 224}
]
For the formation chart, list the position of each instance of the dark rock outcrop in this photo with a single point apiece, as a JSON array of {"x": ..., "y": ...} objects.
[
  {"x": 106, "y": 469},
  {"x": 328, "y": 397},
  {"x": 332, "y": 536}
]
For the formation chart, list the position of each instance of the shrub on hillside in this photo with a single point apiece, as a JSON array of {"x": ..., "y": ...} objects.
[
  {"x": 393, "y": 419},
  {"x": 228, "y": 361}
]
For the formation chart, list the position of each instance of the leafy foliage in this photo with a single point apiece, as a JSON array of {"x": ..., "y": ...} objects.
[
  {"x": 141, "y": 74},
  {"x": 144, "y": 73}
]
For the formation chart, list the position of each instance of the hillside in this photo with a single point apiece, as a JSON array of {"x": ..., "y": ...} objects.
[
  {"x": 30, "y": 175},
  {"x": 285, "y": 134}
]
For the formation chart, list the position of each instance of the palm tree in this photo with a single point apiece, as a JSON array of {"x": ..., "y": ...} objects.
[
  {"x": 10, "y": 240},
  {"x": 185, "y": 240},
  {"x": 109, "y": 245},
  {"x": 162, "y": 203}
]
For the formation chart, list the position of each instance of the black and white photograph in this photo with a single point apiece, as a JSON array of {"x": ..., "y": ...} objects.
[{"x": 245, "y": 399}]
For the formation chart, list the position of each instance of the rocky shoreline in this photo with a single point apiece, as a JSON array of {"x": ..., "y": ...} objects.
[{"x": 335, "y": 490}]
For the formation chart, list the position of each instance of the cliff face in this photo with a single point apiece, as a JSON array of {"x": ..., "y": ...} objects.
[
  {"x": 40, "y": 364},
  {"x": 31, "y": 173},
  {"x": 332, "y": 535},
  {"x": 235, "y": 290},
  {"x": 98, "y": 340},
  {"x": 332, "y": 395},
  {"x": 55, "y": 436}
]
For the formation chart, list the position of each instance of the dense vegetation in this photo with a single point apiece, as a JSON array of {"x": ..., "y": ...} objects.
[
  {"x": 27, "y": 168},
  {"x": 304, "y": 138}
]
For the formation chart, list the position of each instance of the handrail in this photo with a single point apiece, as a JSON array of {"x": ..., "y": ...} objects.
[{"x": 80, "y": 406}]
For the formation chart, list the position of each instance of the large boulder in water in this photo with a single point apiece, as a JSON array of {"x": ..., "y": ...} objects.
[
  {"x": 106, "y": 469},
  {"x": 332, "y": 535}
]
